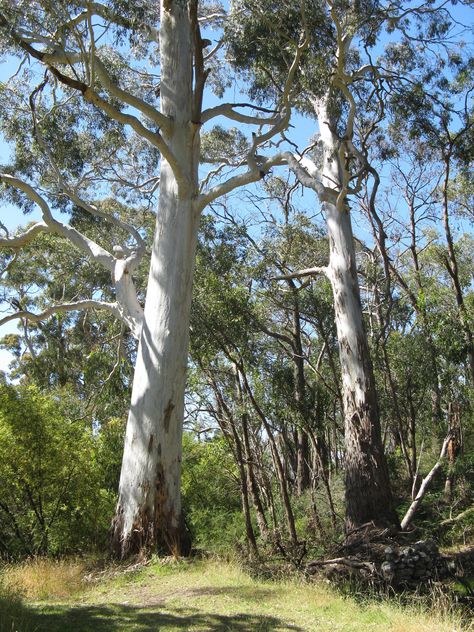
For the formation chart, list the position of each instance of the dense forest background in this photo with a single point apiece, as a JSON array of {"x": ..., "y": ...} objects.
[{"x": 264, "y": 449}]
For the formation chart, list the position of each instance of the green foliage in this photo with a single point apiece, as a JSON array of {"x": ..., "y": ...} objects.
[
  {"x": 265, "y": 37},
  {"x": 211, "y": 496},
  {"x": 51, "y": 494},
  {"x": 219, "y": 144},
  {"x": 61, "y": 445}
]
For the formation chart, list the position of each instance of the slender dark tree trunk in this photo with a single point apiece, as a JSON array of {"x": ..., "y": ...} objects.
[
  {"x": 452, "y": 268},
  {"x": 302, "y": 441},
  {"x": 290, "y": 519}
]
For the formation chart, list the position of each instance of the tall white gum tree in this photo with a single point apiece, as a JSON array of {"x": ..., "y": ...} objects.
[
  {"x": 62, "y": 39},
  {"x": 342, "y": 32},
  {"x": 339, "y": 175}
]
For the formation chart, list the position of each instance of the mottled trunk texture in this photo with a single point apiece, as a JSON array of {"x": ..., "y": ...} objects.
[
  {"x": 368, "y": 495},
  {"x": 148, "y": 515}
]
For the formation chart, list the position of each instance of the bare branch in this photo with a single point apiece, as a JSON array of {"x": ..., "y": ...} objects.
[
  {"x": 425, "y": 484},
  {"x": 304, "y": 170},
  {"x": 18, "y": 241},
  {"x": 249, "y": 176},
  {"x": 128, "y": 309},
  {"x": 228, "y": 110},
  {"x": 82, "y": 242},
  {"x": 302, "y": 273},
  {"x": 162, "y": 121},
  {"x": 64, "y": 307},
  {"x": 258, "y": 167}
]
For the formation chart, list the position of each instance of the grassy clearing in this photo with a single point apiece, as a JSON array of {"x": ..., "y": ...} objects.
[{"x": 211, "y": 596}]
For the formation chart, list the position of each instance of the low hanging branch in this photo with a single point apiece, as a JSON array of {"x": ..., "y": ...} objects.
[
  {"x": 464, "y": 514},
  {"x": 127, "y": 307},
  {"x": 425, "y": 484}
]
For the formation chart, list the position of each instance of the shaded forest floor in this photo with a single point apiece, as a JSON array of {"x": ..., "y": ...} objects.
[{"x": 202, "y": 596}]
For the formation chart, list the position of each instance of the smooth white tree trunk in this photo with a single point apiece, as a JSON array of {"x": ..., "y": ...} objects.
[
  {"x": 149, "y": 507},
  {"x": 368, "y": 495}
]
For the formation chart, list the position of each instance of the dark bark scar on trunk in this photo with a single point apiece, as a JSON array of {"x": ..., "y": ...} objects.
[{"x": 167, "y": 415}]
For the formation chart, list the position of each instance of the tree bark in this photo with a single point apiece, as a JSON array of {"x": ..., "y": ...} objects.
[
  {"x": 148, "y": 514},
  {"x": 454, "y": 448},
  {"x": 285, "y": 497},
  {"x": 452, "y": 267},
  {"x": 302, "y": 441},
  {"x": 226, "y": 421},
  {"x": 252, "y": 484},
  {"x": 368, "y": 494}
]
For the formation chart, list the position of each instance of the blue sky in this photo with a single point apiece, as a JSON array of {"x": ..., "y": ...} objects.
[{"x": 302, "y": 130}]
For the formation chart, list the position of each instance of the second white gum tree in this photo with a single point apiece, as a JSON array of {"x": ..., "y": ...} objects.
[
  {"x": 345, "y": 97},
  {"x": 64, "y": 39}
]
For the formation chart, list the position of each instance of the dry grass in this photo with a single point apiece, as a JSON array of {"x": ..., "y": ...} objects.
[
  {"x": 41, "y": 578},
  {"x": 200, "y": 596}
]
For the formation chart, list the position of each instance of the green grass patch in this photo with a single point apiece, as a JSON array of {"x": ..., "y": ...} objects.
[{"x": 210, "y": 596}]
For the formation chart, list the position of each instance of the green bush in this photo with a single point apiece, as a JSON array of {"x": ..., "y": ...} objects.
[
  {"x": 211, "y": 497},
  {"x": 51, "y": 495}
]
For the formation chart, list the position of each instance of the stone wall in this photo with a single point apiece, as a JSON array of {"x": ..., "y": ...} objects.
[{"x": 413, "y": 565}]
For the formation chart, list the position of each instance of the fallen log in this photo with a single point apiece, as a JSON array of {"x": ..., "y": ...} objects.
[
  {"x": 464, "y": 514},
  {"x": 345, "y": 561}
]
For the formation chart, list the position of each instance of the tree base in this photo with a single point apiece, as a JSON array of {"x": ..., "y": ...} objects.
[{"x": 148, "y": 538}]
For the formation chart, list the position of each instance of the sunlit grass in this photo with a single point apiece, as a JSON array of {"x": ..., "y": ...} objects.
[
  {"x": 43, "y": 578},
  {"x": 207, "y": 596},
  {"x": 12, "y": 612}
]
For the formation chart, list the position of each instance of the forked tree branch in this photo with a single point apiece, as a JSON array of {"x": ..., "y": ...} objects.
[
  {"x": 426, "y": 482},
  {"x": 127, "y": 307},
  {"x": 91, "y": 96},
  {"x": 259, "y": 166},
  {"x": 52, "y": 225}
]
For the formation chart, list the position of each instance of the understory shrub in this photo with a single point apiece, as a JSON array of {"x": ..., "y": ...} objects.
[{"x": 52, "y": 496}]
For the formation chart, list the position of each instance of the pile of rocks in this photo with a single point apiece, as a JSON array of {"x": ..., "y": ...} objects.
[
  {"x": 380, "y": 558},
  {"x": 413, "y": 565}
]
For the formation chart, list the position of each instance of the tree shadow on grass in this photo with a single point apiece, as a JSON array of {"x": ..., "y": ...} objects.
[
  {"x": 239, "y": 592},
  {"x": 122, "y": 618}
]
